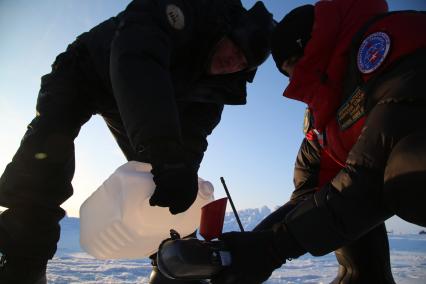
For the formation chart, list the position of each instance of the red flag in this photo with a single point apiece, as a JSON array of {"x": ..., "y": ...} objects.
[{"x": 212, "y": 217}]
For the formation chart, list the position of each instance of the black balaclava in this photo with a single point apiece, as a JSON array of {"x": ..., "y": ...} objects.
[
  {"x": 291, "y": 34},
  {"x": 251, "y": 31}
]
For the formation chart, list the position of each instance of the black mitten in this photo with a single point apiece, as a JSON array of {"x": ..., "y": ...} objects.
[
  {"x": 255, "y": 255},
  {"x": 175, "y": 178}
]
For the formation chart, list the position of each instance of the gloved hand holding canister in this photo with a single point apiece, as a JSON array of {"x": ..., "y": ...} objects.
[
  {"x": 175, "y": 177},
  {"x": 255, "y": 255}
]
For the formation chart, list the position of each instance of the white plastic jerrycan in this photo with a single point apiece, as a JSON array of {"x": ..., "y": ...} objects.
[{"x": 116, "y": 221}]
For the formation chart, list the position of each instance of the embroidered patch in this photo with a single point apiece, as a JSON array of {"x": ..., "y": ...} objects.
[
  {"x": 175, "y": 17},
  {"x": 372, "y": 52},
  {"x": 352, "y": 110}
]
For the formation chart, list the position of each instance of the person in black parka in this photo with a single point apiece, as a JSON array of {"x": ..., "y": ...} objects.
[{"x": 159, "y": 73}]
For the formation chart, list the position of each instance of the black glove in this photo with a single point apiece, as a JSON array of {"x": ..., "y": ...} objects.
[
  {"x": 175, "y": 178},
  {"x": 255, "y": 255}
]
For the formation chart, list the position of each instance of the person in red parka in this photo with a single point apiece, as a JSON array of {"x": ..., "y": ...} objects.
[{"x": 360, "y": 70}]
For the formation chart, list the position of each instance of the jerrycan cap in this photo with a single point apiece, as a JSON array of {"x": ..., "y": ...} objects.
[{"x": 205, "y": 189}]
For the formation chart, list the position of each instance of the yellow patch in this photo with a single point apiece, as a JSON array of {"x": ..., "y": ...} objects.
[{"x": 352, "y": 110}]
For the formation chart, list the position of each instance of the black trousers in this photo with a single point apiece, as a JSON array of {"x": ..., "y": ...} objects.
[
  {"x": 38, "y": 180},
  {"x": 364, "y": 261}
]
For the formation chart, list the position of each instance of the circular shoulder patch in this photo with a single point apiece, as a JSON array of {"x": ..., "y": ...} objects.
[
  {"x": 175, "y": 16},
  {"x": 372, "y": 52}
]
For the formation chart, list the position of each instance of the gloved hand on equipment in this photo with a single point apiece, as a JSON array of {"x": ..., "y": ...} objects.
[
  {"x": 255, "y": 255},
  {"x": 175, "y": 178}
]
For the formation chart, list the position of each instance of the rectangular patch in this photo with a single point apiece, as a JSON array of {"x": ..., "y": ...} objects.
[{"x": 352, "y": 110}]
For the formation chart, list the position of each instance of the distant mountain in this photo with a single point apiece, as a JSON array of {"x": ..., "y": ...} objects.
[
  {"x": 70, "y": 227},
  {"x": 70, "y": 236},
  {"x": 249, "y": 218}
]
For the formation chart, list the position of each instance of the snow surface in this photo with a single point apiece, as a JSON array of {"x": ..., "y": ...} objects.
[{"x": 72, "y": 265}]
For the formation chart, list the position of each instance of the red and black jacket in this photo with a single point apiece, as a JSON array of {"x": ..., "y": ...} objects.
[{"x": 351, "y": 202}]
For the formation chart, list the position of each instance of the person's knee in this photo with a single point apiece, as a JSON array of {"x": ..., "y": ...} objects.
[{"x": 405, "y": 179}]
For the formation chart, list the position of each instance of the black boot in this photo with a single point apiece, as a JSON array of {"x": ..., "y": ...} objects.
[
  {"x": 366, "y": 260},
  {"x": 157, "y": 277},
  {"x": 22, "y": 270}
]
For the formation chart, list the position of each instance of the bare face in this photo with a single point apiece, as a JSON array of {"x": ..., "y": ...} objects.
[
  {"x": 288, "y": 65},
  {"x": 227, "y": 58}
]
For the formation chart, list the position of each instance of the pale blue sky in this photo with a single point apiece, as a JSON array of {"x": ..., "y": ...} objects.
[{"x": 254, "y": 147}]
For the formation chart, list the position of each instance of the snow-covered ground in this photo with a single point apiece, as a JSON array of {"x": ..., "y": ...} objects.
[{"x": 72, "y": 265}]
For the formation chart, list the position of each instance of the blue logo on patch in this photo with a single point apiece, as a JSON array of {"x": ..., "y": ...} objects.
[{"x": 372, "y": 52}]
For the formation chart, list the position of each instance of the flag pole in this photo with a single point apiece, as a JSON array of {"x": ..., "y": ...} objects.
[{"x": 232, "y": 204}]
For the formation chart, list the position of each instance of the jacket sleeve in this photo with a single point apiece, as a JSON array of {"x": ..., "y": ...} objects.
[
  {"x": 198, "y": 121},
  {"x": 140, "y": 70},
  {"x": 306, "y": 169},
  {"x": 353, "y": 203}
]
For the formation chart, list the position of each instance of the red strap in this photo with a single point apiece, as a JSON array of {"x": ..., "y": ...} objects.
[{"x": 311, "y": 135}]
